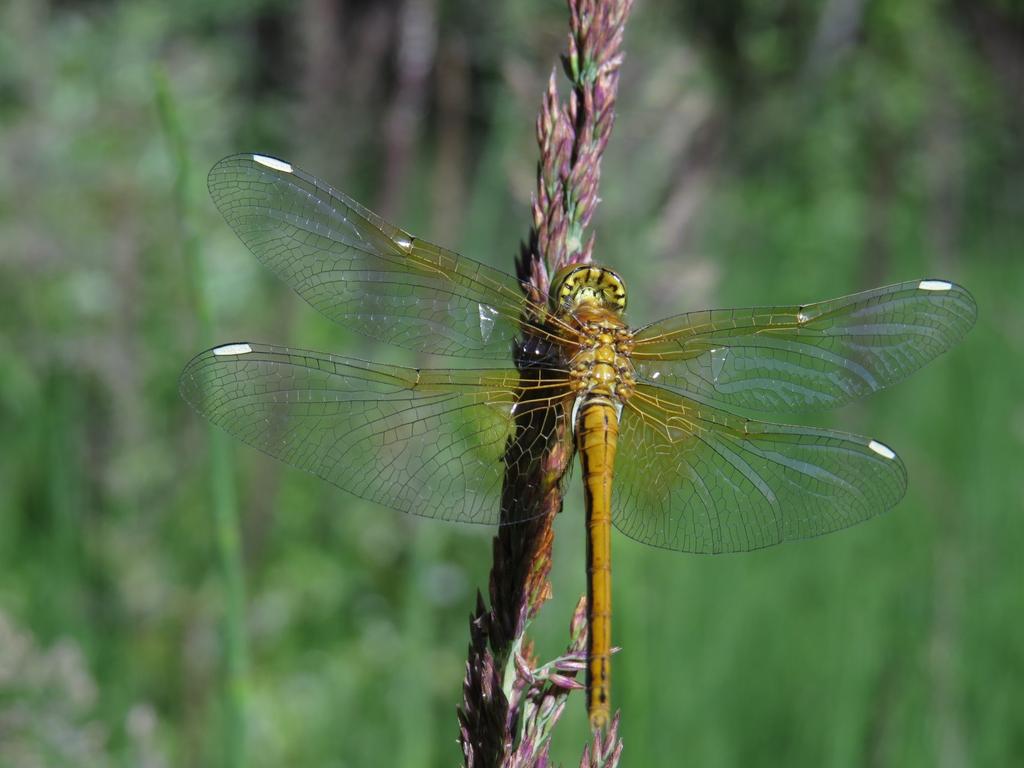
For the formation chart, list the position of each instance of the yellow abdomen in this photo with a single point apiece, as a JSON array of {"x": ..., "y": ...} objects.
[{"x": 597, "y": 433}]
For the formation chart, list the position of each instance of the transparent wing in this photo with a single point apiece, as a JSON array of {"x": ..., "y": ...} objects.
[
  {"x": 428, "y": 442},
  {"x": 697, "y": 479},
  {"x": 363, "y": 272},
  {"x": 809, "y": 356}
]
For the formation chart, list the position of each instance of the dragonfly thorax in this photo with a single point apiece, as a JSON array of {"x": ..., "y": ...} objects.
[{"x": 601, "y": 365}]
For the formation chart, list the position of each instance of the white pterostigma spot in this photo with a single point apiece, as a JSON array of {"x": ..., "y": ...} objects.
[
  {"x": 233, "y": 349},
  {"x": 934, "y": 285},
  {"x": 801, "y": 317},
  {"x": 273, "y": 162},
  {"x": 882, "y": 449},
  {"x": 403, "y": 242}
]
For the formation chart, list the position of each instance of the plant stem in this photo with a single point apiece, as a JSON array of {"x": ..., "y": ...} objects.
[
  {"x": 506, "y": 719},
  {"x": 223, "y": 501}
]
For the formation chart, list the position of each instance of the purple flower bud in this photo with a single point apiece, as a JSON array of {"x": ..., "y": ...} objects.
[{"x": 569, "y": 683}]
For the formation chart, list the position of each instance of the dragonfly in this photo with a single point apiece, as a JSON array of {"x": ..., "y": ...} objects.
[{"x": 656, "y": 413}]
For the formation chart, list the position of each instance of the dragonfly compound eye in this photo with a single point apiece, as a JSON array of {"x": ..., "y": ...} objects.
[{"x": 580, "y": 284}]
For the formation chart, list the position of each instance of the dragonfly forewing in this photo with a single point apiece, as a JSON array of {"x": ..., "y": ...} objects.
[
  {"x": 363, "y": 272},
  {"x": 809, "y": 356}
]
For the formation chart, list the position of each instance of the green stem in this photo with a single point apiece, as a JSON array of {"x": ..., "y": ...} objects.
[{"x": 223, "y": 499}]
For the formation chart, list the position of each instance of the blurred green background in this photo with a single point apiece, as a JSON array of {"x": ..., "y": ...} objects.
[{"x": 764, "y": 153}]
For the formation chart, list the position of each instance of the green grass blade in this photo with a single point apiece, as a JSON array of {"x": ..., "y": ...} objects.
[{"x": 223, "y": 498}]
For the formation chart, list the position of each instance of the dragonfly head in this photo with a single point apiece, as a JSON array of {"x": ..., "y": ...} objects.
[{"x": 578, "y": 285}]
